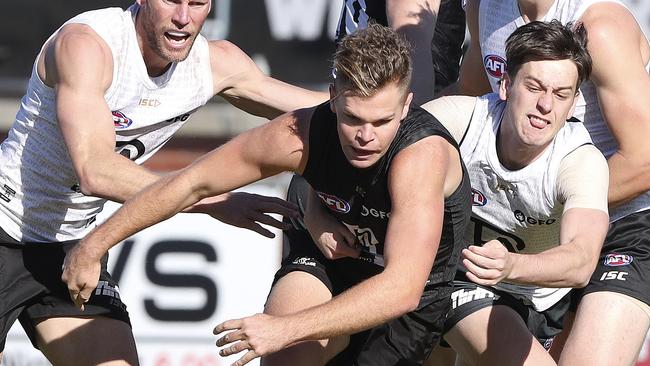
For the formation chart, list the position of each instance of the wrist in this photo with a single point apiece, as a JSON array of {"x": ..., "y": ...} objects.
[{"x": 513, "y": 274}]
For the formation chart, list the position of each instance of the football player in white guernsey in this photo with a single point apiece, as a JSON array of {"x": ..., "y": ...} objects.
[
  {"x": 536, "y": 180},
  {"x": 107, "y": 90},
  {"x": 613, "y": 317}
]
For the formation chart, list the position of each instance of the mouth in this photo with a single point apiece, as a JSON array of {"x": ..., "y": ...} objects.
[
  {"x": 176, "y": 38},
  {"x": 538, "y": 122},
  {"x": 363, "y": 153}
]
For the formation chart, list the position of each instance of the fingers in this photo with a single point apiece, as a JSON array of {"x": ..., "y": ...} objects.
[
  {"x": 227, "y": 325},
  {"x": 478, "y": 259},
  {"x": 274, "y": 205},
  {"x": 234, "y": 348},
  {"x": 348, "y": 248},
  {"x": 248, "y": 357},
  {"x": 267, "y": 219},
  {"x": 472, "y": 277},
  {"x": 79, "y": 298},
  {"x": 236, "y": 342},
  {"x": 480, "y": 275}
]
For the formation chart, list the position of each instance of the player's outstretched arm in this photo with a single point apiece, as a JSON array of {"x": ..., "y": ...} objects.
[
  {"x": 259, "y": 153},
  {"x": 78, "y": 64},
  {"x": 238, "y": 80},
  {"x": 620, "y": 53},
  {"x": 417, "y": 184},
  {"x": 582, "y": 185}
]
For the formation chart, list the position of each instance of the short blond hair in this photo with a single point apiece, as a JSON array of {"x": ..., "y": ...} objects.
[{"x": 371, "y": 58}]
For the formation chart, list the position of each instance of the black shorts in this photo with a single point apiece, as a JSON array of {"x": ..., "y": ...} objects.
[
  {"x": 31, "y": 288},
  {"x": 407, "y": 340},
  {"x": 469, "y": 297},
  {"x": 624, "y": 263}
]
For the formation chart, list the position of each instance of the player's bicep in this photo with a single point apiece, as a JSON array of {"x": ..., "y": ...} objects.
[
  {"x": 583, "y": 179},
  {"x": 83, "y": 68},
  {"x": 416, "y": 187},
  {"x": 619, "y": 73},
  {"x": 274, "y": 147},
  {"x": 583, "y": 183}
]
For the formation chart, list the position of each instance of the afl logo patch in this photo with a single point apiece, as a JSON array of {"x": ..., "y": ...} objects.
[
  {"x": 617, "y": 260},
  {"x": 478, "y": 198},
  {"x": 121, "y": 121},
  {"x": 495, "y": 65},
  {"x": 334, "y": 203}
]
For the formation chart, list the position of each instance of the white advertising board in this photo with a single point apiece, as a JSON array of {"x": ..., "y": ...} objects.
[{"x": 179, "y": 279}]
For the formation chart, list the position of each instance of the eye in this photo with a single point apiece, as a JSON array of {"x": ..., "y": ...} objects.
[
  {"x": 562, "y": 96},
  {"x": 532, "y": 88}
]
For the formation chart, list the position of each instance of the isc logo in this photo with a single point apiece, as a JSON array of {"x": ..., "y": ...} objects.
[
  {"x": 334, "y": 203},
  {"x": 495, "y": 65},
  {"x": 613, "y": 275}
]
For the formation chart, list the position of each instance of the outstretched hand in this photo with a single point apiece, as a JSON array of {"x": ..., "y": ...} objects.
[
  {"x": 81, "y": 273},
  {"x": 257, "y": 335},
  {"x": 248, "y": 211},
  {"x": 488, "y": 264}
]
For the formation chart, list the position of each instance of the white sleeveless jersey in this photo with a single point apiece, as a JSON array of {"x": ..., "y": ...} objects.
[
  {"x": 39, "y": 195},
  {"x": 500, "y": 18},
  {"x": 520, "y": 208}
]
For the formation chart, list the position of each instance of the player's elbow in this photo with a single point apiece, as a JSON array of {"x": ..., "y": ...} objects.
[
  {"x": 90, "y": 183},
  {"x": 581, "y": 274},
  {"x": 409, "y": 300},
  {"x": 580, "y": 279}
]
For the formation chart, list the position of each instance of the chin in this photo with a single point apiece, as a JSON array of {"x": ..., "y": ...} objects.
[{"x": 362, "y": 164}]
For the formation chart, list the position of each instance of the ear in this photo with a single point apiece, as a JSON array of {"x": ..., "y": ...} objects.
[
  {"x": 407, "y": 105},
  {"x": 140, "y": 2},
  {"x": 504, "y": 85},
  {"x": 332, "y": 90}
]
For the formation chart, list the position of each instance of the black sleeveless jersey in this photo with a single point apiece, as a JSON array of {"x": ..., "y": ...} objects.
[{"x": 360, "y": 199}]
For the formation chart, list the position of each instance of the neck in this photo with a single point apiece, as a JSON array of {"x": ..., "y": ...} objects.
[
  {"x": 534, "y": 9},
  {"x": 512, "y": 153},
  {"x": 155, "y": 64}
]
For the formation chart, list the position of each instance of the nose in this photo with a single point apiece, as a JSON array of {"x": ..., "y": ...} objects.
[
  {"x": 545, "y": 102},
  {"x": 181, "y": 16},
  {"x": 365, "y": 133}
]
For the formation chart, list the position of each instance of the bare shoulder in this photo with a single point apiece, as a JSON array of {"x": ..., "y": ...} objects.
[
  {"x": 75, "y": 49},
  {"x": 608, "y": 22},
  {"x": 81, "y": 38},
  {"x": 615, "y": 41},
  {"x": 454, "y": 112},
  {"x": 227, "y": 59}
]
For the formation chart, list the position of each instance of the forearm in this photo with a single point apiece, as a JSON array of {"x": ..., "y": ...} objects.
[
  {"x": 562, "y": 266},
  {"x": 368, "y": 304},
  {"x": 156, "y": 203},
  {"x": 116, "y": 179},
  {"x": 269, "y": 98},
  {"x": 629, "y": 177}
]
